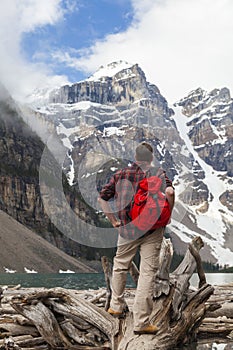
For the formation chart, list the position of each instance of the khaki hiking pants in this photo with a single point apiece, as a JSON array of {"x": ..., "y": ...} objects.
[{"x": 149, "y": 248}]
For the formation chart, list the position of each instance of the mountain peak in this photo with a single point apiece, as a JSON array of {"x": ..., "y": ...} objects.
[
  {"x": 199, "y": 99},
  {"x": 222, "y": 94},
  {"x": 110, "y": 70}
]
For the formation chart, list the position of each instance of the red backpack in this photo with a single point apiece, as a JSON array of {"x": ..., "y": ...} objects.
[{"x": 150, "y": 208}]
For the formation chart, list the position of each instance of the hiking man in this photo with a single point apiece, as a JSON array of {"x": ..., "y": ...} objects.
[{"x": 121, "y": 187}]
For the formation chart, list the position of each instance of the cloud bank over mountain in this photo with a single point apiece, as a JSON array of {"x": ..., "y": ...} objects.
[
  {"x": 181, "y": 44},
  {"x": 18, "y": 18}
]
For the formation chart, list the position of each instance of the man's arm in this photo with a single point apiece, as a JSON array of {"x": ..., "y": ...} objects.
[
  {"x": 108, "y": 192},
  {"x": 169, "y": 189},
  {"x": 107, "y": 211},
  {"x": 170, "y": 195}
]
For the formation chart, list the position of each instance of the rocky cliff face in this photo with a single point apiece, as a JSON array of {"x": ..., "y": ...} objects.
[
  {"x": 121, "y": 88},
  {"x": 20, "y": 153},
  {"x": 211, "y": 126},
  {"x": 115, "y": 95}
]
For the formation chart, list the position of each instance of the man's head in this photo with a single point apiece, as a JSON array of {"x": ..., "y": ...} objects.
[{"x": 144, "y": 152}]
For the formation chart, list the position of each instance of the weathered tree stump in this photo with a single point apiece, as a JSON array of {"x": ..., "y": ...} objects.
[{"x": 66, "y": 319}]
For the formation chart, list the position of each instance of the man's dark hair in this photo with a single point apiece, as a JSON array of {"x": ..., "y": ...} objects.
[{"x": 144, "y": 152}]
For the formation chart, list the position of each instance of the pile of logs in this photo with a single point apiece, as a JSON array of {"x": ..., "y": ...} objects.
[
  {"x": 61, "y": 318},
  {"x": 218, "y": 319},
  {"x": 55, "y": 318}
]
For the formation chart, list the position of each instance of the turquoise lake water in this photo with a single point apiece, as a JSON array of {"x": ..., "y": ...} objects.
[{"x": 87, "y": 280}]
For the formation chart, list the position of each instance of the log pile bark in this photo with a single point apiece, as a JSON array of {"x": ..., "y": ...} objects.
[{"x": 60, "y": 318}]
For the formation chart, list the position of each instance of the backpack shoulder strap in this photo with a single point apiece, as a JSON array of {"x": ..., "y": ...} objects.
[{"x": 155, "y": 171}]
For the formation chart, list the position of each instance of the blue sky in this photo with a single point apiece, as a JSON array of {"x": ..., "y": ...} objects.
[
  {"x": 179, "y": 44},
  {"x": 88, "y": 22}
]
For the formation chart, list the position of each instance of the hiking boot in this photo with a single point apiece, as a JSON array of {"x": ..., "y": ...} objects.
[
  {"x": 117, "y": 314},
  {"x": 150, "y": 329}
]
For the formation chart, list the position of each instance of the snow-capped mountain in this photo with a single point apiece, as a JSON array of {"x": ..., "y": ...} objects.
[
  {"x": 205, "y": 121},
  {"x": 210, "y": 123},
  {"x": 100, "y": 121}
]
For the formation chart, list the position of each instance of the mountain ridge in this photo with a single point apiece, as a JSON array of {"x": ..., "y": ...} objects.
[
  {"x": 111, "y": 113},
  {"x": 21, "y": 153},
  {"x": 186, "y": 134}
]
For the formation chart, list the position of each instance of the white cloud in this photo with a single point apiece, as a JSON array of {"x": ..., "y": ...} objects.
[
  {"x": 180, "y": 44},
  {"x": 34, "y": 13},
  {"x": 16, "y": 18}
]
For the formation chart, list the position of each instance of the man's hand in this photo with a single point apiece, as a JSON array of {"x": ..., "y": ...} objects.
[
  {"x": 107, "y": 211},
  {"x": 116, "y": 223}
]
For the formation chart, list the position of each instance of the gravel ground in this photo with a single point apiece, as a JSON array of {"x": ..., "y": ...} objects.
[{"x": 22, "y": 248}]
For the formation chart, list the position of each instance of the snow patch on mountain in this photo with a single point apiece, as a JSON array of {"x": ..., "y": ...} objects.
[
  {"x": 113, "y": 130},
  {"x": 110, "y": 70},
  {"x": 53, "y": 108},
  {"x": 71, "y": 173},
  {"x": 62, "y": 130}
]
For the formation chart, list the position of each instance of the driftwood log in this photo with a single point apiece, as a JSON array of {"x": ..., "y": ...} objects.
[{"x": 70, "y": 319}]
